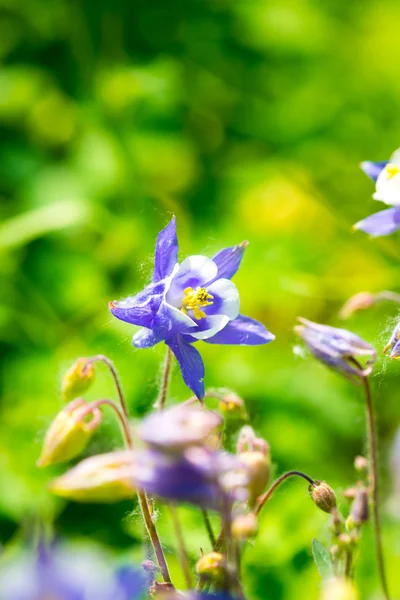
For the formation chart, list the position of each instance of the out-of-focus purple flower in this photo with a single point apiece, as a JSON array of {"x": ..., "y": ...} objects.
[
  {"x": 393, "y": 344},
  {"x": 197, "y": 476},
  {"x": 179, "y": 427},
  {"x": 337, "y": 348},
  {"x": 60, "y": 575},
  {"x": 386, "y": 175},
  {"x": 191, "y": 301}
]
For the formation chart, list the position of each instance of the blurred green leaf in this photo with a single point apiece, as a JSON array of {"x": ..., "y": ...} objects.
[{"x": 322, "y": 559}]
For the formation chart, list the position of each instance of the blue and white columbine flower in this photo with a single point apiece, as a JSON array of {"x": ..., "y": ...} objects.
[
  {"x": 187, "y": 302},
  {"x": 386, "y": 175}
]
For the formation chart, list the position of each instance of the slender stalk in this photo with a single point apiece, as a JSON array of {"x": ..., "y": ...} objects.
[
  {"x": 262, "y": 500},
  {"x": 374, "y": 480},
  {"x": 162, "y": 396},
  {"x": 207, "y": 523},
  {"x": 348, "y": 564},
  {"x": 388, "y": 295},
  {"x": 184, "y": 559},
  {"x": 123, "y": 416},
  {"x": 114, "y": 374}
]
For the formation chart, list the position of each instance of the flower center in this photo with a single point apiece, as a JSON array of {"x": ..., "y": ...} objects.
[
  {"x": 392, "y": 170},
  {"x": 195, "y": 300}
]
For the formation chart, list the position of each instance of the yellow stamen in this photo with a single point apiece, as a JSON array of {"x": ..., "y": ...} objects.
[
  {"x": 392, "y": 170},
  {"x": 195, "y": 300}
]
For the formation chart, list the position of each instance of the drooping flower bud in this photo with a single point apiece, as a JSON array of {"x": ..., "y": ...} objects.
[
  {"x": 77, "y": 379},
  {"x": 337, "y": 348},
  {"x": 361, "y": 464},
  {"x": 232, "y": 406},
  {"x": 360, "y": 510},
  {"x": 339, "y": 589},
  {"x": 69, "y": 434},
  {"x": 212, "y": 567},
  {"x": 244, "y": 526},
  {"x": 323, "y": 496},
  {"x": 258, "y": 468},
  {"x": 360, "y": 301},
  {"x": 102, "y": 478}
]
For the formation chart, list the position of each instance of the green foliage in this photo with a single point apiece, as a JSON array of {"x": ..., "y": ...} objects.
[
  {"x": 248, "y": 121},
  {"x": 322, "y": 559}
]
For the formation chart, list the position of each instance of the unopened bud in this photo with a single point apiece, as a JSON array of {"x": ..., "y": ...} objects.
[
  {"x": 244, "y": 526},
  {"x": 232, "y": 405},
  {"x": 102, "y": 478},
  {"x": 150, "y": 566},
  {"x": 212, "y": 567},
  {"x": 344, "y": 539},
  {"x": 359, "y": 509},
  {"x": 339, "y": 589},
  {"x": 77, "y": 379},
  {"x": 360, "y": 301},
  {"x": 69, "y": 434},
  {"x": 350, "y": 493},
  {"x": 323, "y": 496},
  {"x": 258, "y": 467},
  {"x": 361, "y": 463}
]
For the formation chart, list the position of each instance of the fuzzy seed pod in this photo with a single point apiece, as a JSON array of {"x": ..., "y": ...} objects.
[{"x": 323, "y": 496}]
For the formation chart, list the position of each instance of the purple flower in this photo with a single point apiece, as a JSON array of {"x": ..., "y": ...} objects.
[
  {"x": 197, "y": 476},
  {"x": 79, "y": 575},
  {"x": 337, "y": 348},
  {"x": 386, "y": 175},
  {"x": 187, "y": 302},
  {"x": 394, "y": 344}
]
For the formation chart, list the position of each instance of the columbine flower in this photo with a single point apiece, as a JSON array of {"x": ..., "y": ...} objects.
[
  {"x": 191, "y": 301},
  {"x": 386, "y": 174},
  {"x": 62, "y": 575},
  {"x": 337, "y": 348},
  {"x": 394, "y": 344}
]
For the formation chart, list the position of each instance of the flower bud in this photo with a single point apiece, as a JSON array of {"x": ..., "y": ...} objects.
[
  {"x": 77, "y": 379},
  {"x": 359, "y": 509},
  {"x": 150, "y": 566},
  {"x": 258, "y": 467},
  {"x": 232, "y": 406},
  {"x": 361, "y": 463},
  {"x": 68, "y": 435},
  {"x": 350, "y": 493},
  {"x": 212, "y": 567},
  {"x": 339, "y": 589},
  {"x": 102, "y": 478},
  {"x": 244, "y": 526},
  {"x": 323, "y": 496},
  {"x": 360, "y": 301}
]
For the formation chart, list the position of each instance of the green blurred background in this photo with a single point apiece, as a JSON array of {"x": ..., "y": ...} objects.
[{"x": 247, "y": 119}]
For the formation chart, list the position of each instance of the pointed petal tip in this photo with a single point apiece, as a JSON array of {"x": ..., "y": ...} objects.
[
  {"x": 244, "y": 244},
  {"x": 112, "y": 304}
]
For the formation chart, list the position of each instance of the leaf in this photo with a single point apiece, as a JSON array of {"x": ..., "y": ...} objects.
[{"x": 322, "y": 559}]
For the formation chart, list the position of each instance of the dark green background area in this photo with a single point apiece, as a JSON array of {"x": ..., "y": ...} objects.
[{"x": 246, "y": 119}]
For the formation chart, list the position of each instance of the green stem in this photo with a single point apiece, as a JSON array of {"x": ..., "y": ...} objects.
[
  {"x": 114, "y": 374},
  {"x": 207, "y": 523},
  {"x": 374, "y": 480},
  {"x": 162, "y": 396},
  {"x": 184, "y": 559},
  {"x": 262, "y": 500}
]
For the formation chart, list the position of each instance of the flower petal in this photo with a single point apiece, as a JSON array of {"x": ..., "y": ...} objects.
[
  {"x": 146, "y": 338},
  {"x": 383, "y": 222},
  {"x": 166, "y": 255},
  {"x": 194, "y": 271},
  {"x": 170, "y": 321},
  {"x": 372, "y": 169},
  {"x": 142, "y": 308},
  {"x": 191, "y": 364},
  {"x": 228, "y": 260},
  {"x": 242, "y": 331},
  {"x": 209, "y": 326},
  {"x": 226, "y": 299}
]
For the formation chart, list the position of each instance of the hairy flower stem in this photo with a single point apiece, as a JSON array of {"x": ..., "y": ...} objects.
[
  {"x": 123, "y": 416},
  {"x": 262, "y": 500},
  {"x": 183, "y": 555},
  {"x": 207, "y": 523},
  {"x": 114, "y": 374},
  {"x": 162, "y": 396},
  {"x": 374, "y": 481}
]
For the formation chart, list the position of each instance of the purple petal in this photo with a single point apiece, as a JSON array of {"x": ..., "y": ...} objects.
[
  {"x": 381, "y": 223},
  {"x": 142, "y": 308},
  {"x": 146, "y": 338},
  {"x": 228, "y": 260},
  {"x": 191, "y": 364},
  {"x": 166, "y": 252},
  {"x": 170, "y": 321},
  {"x": 242, "y": 331},
  {"x": 130, "y": 583},
  {"x": 372, "y": 169}
]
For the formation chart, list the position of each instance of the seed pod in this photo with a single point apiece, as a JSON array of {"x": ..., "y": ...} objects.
[
  {"x": 323, "y": 496},
  {"x": 359, "y": 509},
  {"x": 68, "y": 435},
  {"x": 77, "y": 379}
]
